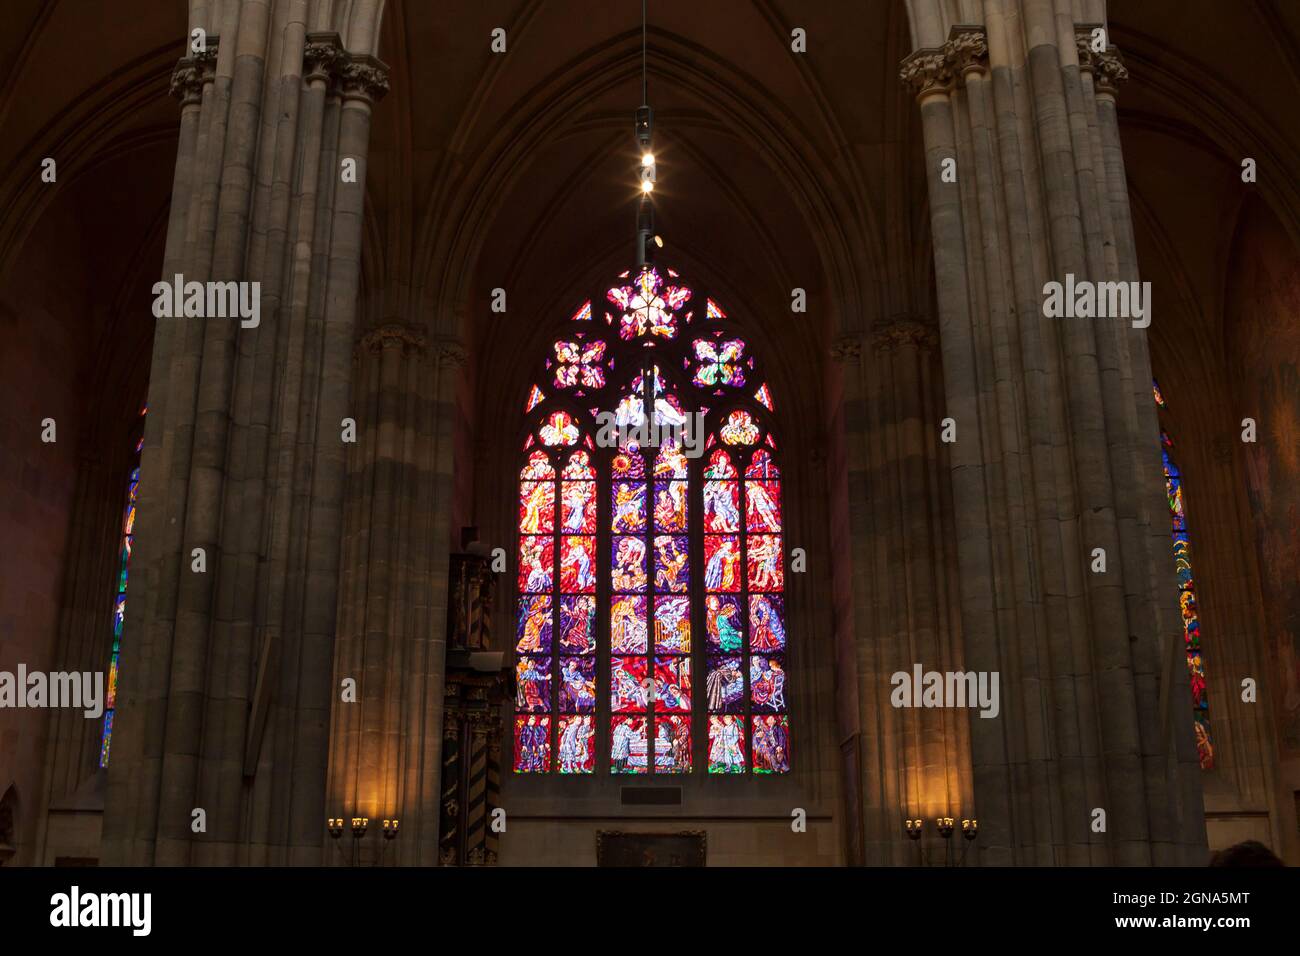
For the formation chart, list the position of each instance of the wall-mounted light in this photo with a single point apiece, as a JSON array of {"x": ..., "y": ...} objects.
[
  {"x": 335, "y": 827},
  {"x": 913, "y": 829},
  {"x": 944, "y": 825},
  {"x": 359, "y": 826},
  {"x": 970, "y": 829},
  {"x": 390, "y": 829},
  {"x": 647, "y": 159}
]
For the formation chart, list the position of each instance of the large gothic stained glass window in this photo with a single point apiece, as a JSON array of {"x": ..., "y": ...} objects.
[
  {"x": 1186, "y": 594},
  {"x": 651, "y": 545}
]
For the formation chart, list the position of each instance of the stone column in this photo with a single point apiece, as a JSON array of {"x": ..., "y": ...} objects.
[
  {"x": 914, "y": 762},
  {"x": 226, "y": 669},
  {"x": 385, "y": 750},
  {"x": 1057, "y": 453}
]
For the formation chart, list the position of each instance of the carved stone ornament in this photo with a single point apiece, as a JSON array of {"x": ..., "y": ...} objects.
[
  {"x": 364, "y": 78},
  {"x": 193, "y": 71},
  {"x": 904, "y": 332},
  {"x": 1107, "y": 67},
  {"x": 323, "y": 57},
  {"x": 451, "y": 353},
  {"x": 847, "y": 348},
  {"x": 394, "y": 336},
  {"x": 938, "y": 70},
  {"x": 967, "y": 49}
]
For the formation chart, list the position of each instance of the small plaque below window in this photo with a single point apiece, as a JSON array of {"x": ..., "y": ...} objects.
[{"x": 616, "y": 848}]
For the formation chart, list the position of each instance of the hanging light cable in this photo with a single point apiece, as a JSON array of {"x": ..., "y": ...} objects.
[{"x": 645, "y": 226}]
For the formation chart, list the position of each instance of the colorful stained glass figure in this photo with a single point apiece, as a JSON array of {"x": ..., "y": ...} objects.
[
  {"x": 628, "y": 573},
  {"x": 720, "y": 465},
  {"x": 670, "y": 505},
  {"x": 672, "y": 625},
  {"x": 722, "y": 562},
  {"x": 630, "y": 684},
  {"x": 726, "y": 744},
  {"x": 766, "y": 623},
  {"x": 764, "y": 396},
  {"x": 672, "y": 566},
  {"x": 772, "y": 744},
  {"x": 577, "y": 744},
  {"x": 724, "y": 622},
  {"x": 533, "y": 633},
  {"x": 538, "y": 468},
  {"x": 629, "y": 506},
  {"x": 671, "y": 462},
  {"x": 627, "y": 747},
  {"x": 672, "y": 744},
  {"x": 739, "y": 429},
  {"x": 767, "y": 682},
  {"x": 578, "y": 685},
  {"x": 577, "y": 624},
  {"x": 558, "y": 429},
  {"x": 537, "y": 507},
  {"x": 721, "y": 506},
  {"x": 672, "y": 685},
  {"x": 579, "y": 466},
  {"x": 579, "y": 363},
  {"x": 533, "y": 684},
  {"x": 579, "y": 507},
  {"x": 725, "y": 685},
  {"x": 532, "y": 743},
  {"x": 535, "y": 398},
  {"x": 536, "y": 563},
  {"x": 628, "y": 629},
  {"x": 762, "y": 506},
  {"x": 578, "y": 564},
  {"x": 766, "y": 562},
  {"x": 718, "y": 363}
]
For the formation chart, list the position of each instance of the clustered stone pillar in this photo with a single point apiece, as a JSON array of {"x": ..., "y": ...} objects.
[
  {"x": 385, "y": 749},
  {"x": 226, "y": 664},
  {"x": 914, "y": 761},
  {"x": 1057, "y": 450}
]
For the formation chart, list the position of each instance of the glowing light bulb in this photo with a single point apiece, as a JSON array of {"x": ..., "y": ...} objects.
[
  {"x": 647, "y": 159},
  {"x": 647, "y": 186}
]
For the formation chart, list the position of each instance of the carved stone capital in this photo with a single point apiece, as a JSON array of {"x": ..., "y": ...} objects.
[
  {"x": 847, "y": 348},
  {"x": 967, "y": 49},
  {"x": 364, "y": 78},
  {"x": 1110, "y": 71},
  {"x": 939, "y": 70},
  {"x": 193, "y": 71},
  {"x": 927, "y": 71},
  {"x": 901, "y": 332},
  {"x": 323, "y": 57},
  {"x": 394, "y": 336},
  {"x": 450, "y": 353},
  {"x": 1106, "y": 66}
]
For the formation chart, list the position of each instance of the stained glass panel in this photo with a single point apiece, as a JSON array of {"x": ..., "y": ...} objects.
[{"x": 659, "y": 504}]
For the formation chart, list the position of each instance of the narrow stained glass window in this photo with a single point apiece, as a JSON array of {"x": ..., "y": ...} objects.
[
  {"x": 125, "y": 544},
  {"x": 671, "y": 518},
  {"x": 1186, "y": 594}
]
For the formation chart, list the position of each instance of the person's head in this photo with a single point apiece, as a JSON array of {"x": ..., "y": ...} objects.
[{"x": 1246, "y": 853}]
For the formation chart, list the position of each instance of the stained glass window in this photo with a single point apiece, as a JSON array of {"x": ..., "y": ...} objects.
[
  {"x": 1186, "y": 594},
  {"x": 651, "y": 546},
  {"x": 126, "y": 541}
]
